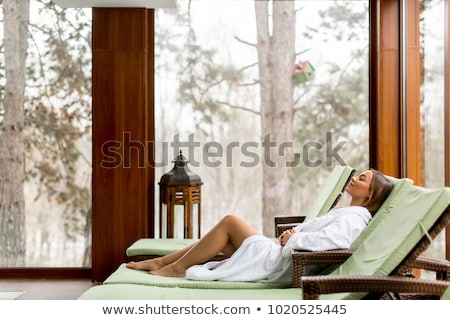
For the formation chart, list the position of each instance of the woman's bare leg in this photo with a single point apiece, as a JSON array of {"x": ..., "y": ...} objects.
[
  {"x": 154, "y": 264},
  {"x": 159, "y": 262},
  {"x": 226, "y": 236}
]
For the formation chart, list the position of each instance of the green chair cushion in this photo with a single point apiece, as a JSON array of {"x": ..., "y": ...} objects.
[
  {"x": 131, "y": 276},
  {"x": 157, "y": 247},
  {"x": 139, "y": 292},
  {"x": 160, "y": 247},
  {"x": 446, "y": 295}
]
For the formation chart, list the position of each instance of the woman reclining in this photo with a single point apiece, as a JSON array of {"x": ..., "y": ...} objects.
[{"x": 254, "y": 257}]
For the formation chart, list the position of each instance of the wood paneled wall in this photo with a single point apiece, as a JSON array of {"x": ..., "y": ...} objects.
[{"x": 122, "y": 102}]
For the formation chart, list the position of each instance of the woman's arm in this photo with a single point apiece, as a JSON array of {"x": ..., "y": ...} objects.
[{"x": 339, "y": 234}]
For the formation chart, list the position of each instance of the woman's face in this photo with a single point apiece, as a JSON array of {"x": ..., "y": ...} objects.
[{"x": 359, "y": 186}]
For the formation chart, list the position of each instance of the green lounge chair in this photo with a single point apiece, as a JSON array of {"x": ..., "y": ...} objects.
[
  {"x": 125, "y": 275},
  {"x": 390, "y": 249},
  {"x": 393, "y": 248}
]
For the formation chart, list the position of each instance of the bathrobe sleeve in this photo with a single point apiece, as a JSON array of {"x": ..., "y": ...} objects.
[{"x": 338, "y": 232}]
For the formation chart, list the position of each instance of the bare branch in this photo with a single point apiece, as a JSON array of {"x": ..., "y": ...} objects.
[
  {"x": 245, "y": 42},
  {"x": 238, "y": 107},
  {"x": 302, "y": 52},
  {"x": 213, "y": 84},
  {"x": 347, "y": 66},
  {"x": 248, "y": 67},
  {"x": 299, "y": 9},
  {"x": 248, "y": 84}
]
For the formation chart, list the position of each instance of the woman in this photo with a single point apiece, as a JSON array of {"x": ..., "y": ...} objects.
[{"x": 253, "y": 257}]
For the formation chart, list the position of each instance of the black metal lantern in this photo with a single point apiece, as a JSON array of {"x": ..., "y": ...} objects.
[{"x": 180, "y": 186}]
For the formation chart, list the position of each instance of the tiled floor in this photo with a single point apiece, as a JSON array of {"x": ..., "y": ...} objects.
[{"x": 43, "y": 289}]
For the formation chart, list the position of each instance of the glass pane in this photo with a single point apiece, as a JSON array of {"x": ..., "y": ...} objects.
[
  {"x": 432, "y": 32},
  {"x": 57, "y": 139},
  {"x": 208, "y": 98}
]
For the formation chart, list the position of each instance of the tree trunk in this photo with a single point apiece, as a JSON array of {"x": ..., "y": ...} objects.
[
  {"x": 276, "y": 60},
  {"x": 12, "y": 202}
]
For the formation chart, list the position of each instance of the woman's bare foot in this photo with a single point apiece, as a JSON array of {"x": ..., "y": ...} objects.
[
  {"x": 149, "y": 265},
  {"x": 170, "y": 270}
]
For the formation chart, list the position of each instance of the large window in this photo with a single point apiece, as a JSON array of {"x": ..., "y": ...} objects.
[
  {"x": 208, "y": 96},
  {"x": 432, "y": 44},
  {"x": 432, "y": 34},
  {"x": 211, "y": 89},
  {"x": 57, "y": 141}
]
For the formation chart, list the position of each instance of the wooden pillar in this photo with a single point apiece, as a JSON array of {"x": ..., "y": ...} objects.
[
  {"x": 123, "y": 132},
  {"x": 395, "y": 143},
  {"x": 385, "y": 124}
]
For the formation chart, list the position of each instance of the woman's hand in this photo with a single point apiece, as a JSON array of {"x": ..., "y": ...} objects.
[{"x": 284, "y": 237}]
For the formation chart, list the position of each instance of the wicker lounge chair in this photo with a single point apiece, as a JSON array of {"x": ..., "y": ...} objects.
[
  {"x": 390, "y": 250},
  {"x": 398, "y": 264}
]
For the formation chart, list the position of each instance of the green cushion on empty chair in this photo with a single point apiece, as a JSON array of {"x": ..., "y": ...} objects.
[
  {"x": 160, "y": 247},
  {"x": 399, "y": 190},
  {"x": 157, "y": 247},
  {"x": 331, "y": 190},
  {"x": 139, "y": 292},
  {"x": 394, "y": 238},
  {"x": 131, "y": 276}
]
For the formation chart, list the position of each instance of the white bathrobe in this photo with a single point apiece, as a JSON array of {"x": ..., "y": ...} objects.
[{"x": 262, "y": 259}]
